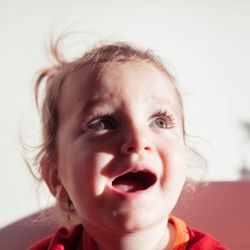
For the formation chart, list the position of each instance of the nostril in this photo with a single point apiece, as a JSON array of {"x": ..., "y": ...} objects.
[{"x": 131, "y": 149}]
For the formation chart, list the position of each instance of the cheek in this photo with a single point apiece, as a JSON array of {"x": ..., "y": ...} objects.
[
  {"x": 99, "y": 163},
  {"x": 174, "y": 163},
  {"x": 174, "y": 175},
  {"x": 82, "y": 173},
  {"x": 86, "y": 182}
]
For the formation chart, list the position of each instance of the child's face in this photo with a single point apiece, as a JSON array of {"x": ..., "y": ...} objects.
[{"x": 126, "y": 124}]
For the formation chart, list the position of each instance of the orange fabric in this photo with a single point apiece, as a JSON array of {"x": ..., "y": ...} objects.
[{"x": 182, "y": 235}]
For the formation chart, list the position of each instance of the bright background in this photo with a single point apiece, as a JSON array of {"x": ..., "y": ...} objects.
[{"x": 206, "y": 44}]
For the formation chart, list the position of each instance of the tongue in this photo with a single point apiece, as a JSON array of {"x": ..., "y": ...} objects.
[{"x": 128, "y": 185}]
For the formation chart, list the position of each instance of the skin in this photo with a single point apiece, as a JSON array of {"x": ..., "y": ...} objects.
[{"x": 109, "y": 126}]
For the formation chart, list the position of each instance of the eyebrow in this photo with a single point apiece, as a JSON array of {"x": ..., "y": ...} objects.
[
  {"x": 162, "y": 100},
  {"x": 94, "y": 102},
  {"x": 97, "y": 102}
]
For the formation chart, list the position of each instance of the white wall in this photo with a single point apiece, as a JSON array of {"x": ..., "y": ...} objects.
[{"x": 207, "y": 43}]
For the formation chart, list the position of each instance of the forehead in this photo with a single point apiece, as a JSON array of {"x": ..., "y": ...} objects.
[{"x": 110, "y": 80}]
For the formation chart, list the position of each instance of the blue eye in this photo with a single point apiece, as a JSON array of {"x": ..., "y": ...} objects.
[{"x": 99, "y": 124}]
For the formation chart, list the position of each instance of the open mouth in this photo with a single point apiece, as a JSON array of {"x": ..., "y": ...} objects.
[{"x": 134, "y": 181}]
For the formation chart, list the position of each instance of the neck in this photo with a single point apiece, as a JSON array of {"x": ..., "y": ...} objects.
[{"x": 157, "y": 237}]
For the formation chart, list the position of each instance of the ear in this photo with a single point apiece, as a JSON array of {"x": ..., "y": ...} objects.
[{"x": 49, "y": 173}]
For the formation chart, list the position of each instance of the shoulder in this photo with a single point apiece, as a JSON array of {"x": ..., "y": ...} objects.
[
  {"x": 61, "y": 239},
  {"x": 199, "y": 240}
]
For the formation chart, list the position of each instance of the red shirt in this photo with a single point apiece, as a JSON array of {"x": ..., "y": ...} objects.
[{"x": 186, "y": 239}]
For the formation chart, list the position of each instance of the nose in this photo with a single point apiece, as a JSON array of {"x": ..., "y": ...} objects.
[{"x": 136, "y": 142}]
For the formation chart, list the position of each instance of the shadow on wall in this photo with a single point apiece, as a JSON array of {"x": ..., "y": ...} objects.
[
  {"x": 220, "y": 208},
  {"x": 244, "y": 169}
]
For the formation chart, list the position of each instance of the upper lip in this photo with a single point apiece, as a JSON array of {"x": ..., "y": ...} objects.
[{"x": 134, "y": 169}]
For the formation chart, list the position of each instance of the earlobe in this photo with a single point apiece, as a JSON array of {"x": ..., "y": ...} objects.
[{"x": 49, "y": 173}]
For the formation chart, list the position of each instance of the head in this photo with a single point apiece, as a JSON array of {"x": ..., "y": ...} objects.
[{"x": 113, "y": 151}]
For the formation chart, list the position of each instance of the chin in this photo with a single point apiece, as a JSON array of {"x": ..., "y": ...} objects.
[{"x": 129, "y": 220}]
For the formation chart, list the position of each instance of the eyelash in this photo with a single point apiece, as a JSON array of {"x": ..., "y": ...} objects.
[
  {"x": 99, "y": 116},
  {"x": 96, "y": 117},
  {"x": 166, "y": 115}
]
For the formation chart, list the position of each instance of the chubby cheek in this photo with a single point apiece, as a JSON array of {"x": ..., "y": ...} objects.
[
  {"x": 98, "y": 164},
  {"x": 174, "y": 168},
  {"x": 83, "y": 176}
]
